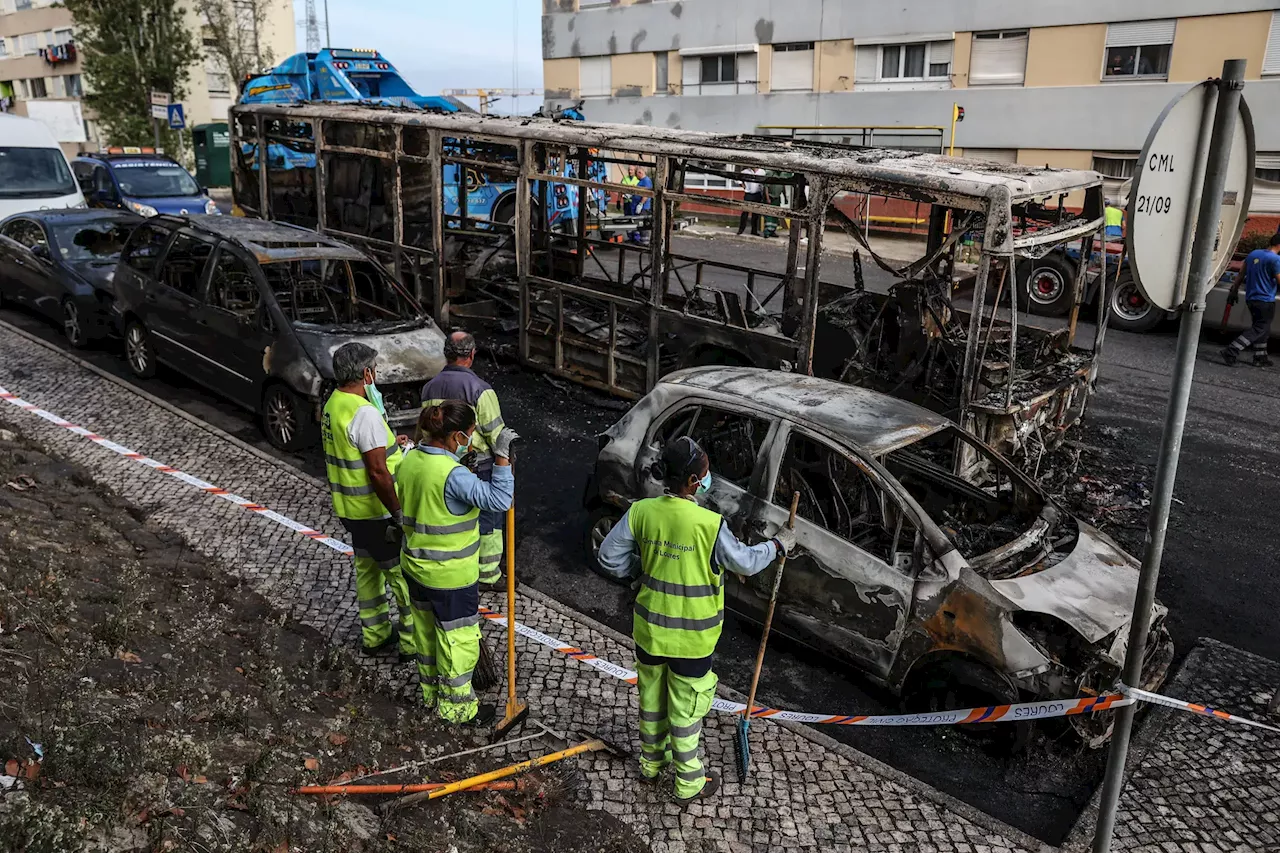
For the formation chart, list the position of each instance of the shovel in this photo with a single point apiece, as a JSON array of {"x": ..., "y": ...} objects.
[{"x": 744, "y": 749}]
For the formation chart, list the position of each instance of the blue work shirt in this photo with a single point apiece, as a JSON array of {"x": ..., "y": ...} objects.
[
  {"x": 1260, "y": 270},
  {"x": 464, "y": 490},
  {"x": 620, "y": 555},
  {"x": 644, "y": 205}
]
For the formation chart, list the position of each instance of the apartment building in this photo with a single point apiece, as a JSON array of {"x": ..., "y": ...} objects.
[
  {"x": 41, "y": 72},
  {"x": 1065, "y": 84}
]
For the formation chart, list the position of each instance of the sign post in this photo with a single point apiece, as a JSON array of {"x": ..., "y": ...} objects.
[
  {"x": 1220, "y": 118},
  {"x": 159, "y": 112}
]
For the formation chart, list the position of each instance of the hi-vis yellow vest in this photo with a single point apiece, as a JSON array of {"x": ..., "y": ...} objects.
[
  {"x": 441, "y": 550},
  {"x": 349, "y": 484}
]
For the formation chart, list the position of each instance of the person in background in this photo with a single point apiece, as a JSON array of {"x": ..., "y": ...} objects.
[
  {"x": 625, "y": 199},
  {"x": 459, "y": 382},
  {"x": 754, "y": 191},
  {"x": 361, "y": 455},
  {"x": 1114, "y": 221},
  {"x": 680, "y": 551},
  {"x": 1261, "y": 276},
  {"x": 440, "y": 554},
  {"x": 641, "y": 205}
]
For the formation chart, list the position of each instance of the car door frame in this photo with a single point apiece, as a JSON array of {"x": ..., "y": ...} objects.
[
  {"x": 872, "y": 577},
  {"x": 32, "y": 268},
  {"x": 733, "y": 502},
  {"x": 242, "y": 389},
  {"x": 173, "y": 351}
]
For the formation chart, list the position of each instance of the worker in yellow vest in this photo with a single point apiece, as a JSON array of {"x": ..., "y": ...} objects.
[
  {"x": 681, "y": 551},
  {"x": 440, "y": 556},
  {"x": 361, "y": 455}
]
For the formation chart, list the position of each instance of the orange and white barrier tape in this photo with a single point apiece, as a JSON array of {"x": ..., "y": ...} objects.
[{"x": 1020, "y": 712}]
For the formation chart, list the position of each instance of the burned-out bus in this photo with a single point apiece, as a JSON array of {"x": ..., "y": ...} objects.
[{"x": 615, "y": 307}]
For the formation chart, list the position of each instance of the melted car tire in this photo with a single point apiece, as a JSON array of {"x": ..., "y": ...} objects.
[
  {"x": 596, "y": 524},
  {"x": 962, "y": 683},
  {"x": 280, "y": 402}
]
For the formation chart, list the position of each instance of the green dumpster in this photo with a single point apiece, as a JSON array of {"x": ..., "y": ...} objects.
[{"x": 213, "y": 154}]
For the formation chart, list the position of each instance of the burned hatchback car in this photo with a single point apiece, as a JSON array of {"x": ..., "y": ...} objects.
[
  {"x": 925, "y": 559},
  {"x": 255, "y": 310}
]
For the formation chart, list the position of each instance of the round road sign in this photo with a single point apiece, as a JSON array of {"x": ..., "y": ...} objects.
[{"x": 1161, "y": 218}]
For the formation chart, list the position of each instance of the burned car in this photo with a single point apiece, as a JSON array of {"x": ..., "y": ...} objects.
[
  {"x": 925, "y": 559},
  {"x": 254, "y": 311}
]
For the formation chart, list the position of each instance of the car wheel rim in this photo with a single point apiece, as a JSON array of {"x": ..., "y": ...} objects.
[
  {"x": 280, "y": 418},
  {"x": 71, "y": 322},
  {"x": 137, "y": 347},
  {"x": 1046, "y": 287},
  {"x": 1128, "y": 303},
  {"x": 599, "y": 531}
]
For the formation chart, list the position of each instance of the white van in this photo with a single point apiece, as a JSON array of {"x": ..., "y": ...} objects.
[{"x": 34, "y": 174}]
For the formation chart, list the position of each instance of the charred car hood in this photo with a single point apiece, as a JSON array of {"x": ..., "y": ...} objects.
[
  {"x": 413, "y": 355},
  {"x": 1092, "y": 590}
]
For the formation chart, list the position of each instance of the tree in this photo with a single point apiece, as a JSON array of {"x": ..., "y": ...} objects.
[
  {"x": 129, "y": 48},
  {"x": 232, "y": 31}
]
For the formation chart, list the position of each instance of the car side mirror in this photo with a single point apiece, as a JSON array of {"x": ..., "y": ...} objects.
[
  {"x": 41, "y": 251},
  {"x": 104, "y": 197}
]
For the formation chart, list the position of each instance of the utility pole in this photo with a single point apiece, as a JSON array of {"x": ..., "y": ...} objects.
[
  {"x": 313, "y": 28},
  {"x": 1223, "y": 121},
  {"x": 328, "y": 41}
]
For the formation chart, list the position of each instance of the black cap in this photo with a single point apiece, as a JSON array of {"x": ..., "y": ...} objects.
[{"x": 681, "y": 459}]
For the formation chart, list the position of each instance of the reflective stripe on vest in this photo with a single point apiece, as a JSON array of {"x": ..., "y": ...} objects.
[
  {"x": 679, "y": 610},
  {"x": 349, "y": 485},
  {"x": 441, "y": 550}
]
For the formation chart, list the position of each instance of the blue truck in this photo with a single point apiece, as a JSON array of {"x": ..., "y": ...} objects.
[{"x": 366, "y": 77}]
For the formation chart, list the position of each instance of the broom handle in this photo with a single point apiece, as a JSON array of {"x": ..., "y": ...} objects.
[
  {"x": 768, "y": 618},
  {"x": 511, "y": 607}
]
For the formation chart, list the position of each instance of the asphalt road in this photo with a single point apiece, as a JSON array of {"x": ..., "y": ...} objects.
[{"x": 1219, "y": 578}]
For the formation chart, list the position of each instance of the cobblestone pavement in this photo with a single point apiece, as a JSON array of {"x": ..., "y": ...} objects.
[
  {"x": 1198, "y": 785},
  {"x": 806, "y": 791}
]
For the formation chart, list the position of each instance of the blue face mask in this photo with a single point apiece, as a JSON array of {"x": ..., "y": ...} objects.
[
  {"x": 373, "y": 395},
  {"x": 462, "y": 448},
  {"x": 704, "y": 484}
]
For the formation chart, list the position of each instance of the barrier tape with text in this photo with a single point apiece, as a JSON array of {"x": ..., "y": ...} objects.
[{"x": 1019, "y": 712}]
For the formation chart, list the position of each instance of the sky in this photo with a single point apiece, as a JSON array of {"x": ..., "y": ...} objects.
[{"x": 439, "y": 44}]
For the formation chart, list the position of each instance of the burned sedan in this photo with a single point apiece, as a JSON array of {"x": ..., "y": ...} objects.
[
  {"x": 255, "y": 310},
  {"x": 925, "y": 559}
]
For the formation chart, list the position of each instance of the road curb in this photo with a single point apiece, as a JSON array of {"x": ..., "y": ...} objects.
[{"x": 827, "y": 743}]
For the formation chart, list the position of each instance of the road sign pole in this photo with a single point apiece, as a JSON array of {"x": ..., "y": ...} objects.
[
  {"x": 155, "y": 125},
  {"x": 1198, "y": 284}
]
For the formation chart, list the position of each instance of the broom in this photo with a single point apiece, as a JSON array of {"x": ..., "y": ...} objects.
[{"x": 740, "y": 735}]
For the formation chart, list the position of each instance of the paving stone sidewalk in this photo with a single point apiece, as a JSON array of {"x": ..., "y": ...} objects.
[
  {"x": 806, "y": 792},
  {"x": 1197, "y": 785}
]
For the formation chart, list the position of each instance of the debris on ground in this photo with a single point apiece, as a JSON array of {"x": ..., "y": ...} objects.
[{"x": 154, "y": 702}]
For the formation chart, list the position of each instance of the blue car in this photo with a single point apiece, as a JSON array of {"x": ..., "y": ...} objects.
[{"x": 146, "y": 184}]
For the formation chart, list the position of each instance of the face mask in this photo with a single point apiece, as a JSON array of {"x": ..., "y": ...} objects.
[
  {"x": 462, "y": 448},
  {"x": 374, "y": 396},
  {"x": 704, "y": 484}
]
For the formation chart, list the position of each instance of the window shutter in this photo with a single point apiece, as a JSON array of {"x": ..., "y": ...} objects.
[
  {"x": 1267, "y": 161},
  {"x": 792, "y": 71},
  {"x": 595, "y": 78},
  {"x": 866, "y": 63},
  {"x": 1271, "y": 64},
  {"x": 691, "y": 74},
  {"x": 747, "y": 68},
  {"x": 998, "y": 60},
  {"x": 1140, "y": 32},
  {"x": 940, "y": 51}
]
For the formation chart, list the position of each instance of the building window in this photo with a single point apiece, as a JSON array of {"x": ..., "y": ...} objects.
[
  {"x": 999, "y": 58},
  {"x": 34, "y": 88},
  {"x": 1139, "y": 50},
  {"x": 74, "y": 87},
  {"x": 792, "y": 67},
  {"x": 22, "y": 5},
  {"x": 219, "y": 83},
  {"x": 661, "y": 74},
  {"x": 721, "y": 73},
  {"x": 30, "y": 43},
  {"x": 594, "y": 4},
  {"x": 595, "y": 77},
  {"x": 4, "y": 51},
  {"x": 908, "y": 62},
  {"x": 1271, "y": 62},
  {"x": 1117, "y": 169},
  {"x": 62, "y": 36}
]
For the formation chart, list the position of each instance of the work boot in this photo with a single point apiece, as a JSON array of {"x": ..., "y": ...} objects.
[
  {"x": 656, "y": 777},
  {"x": 708, "y": 790},
  {"x": 373, "y": 651},
  {"x": 1229, "y": 357},
  {"x": 1262, "y": 360},
  {"x": 484, "y": 716}
]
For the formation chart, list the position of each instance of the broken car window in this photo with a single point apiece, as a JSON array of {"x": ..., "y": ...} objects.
[
  {"x": 231, "y": 286},
  {"x": 836, "y": 495},
  {"x": 184, "y": 264},
  {"x": 92, "y": 241},
  {"x": 982, "y": 507},
  {"x": 144, "y": 248},
  {"x": 732, "y": 442},
  {"x": 336, "y": 292}
]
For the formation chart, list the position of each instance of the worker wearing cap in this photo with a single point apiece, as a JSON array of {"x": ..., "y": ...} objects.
[
  {"x": 459, "y": 382},
  {"x": 361, "y": 456},
  {"x": 681, "y": 551}
]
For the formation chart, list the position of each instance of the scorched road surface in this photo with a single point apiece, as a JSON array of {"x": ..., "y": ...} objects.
[{"x": 1217, "y": 580}]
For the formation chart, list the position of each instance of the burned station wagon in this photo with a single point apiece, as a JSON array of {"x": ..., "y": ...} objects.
[
  {"x": 255, "y": 310},
  {"x": 925, "y": 559}
]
